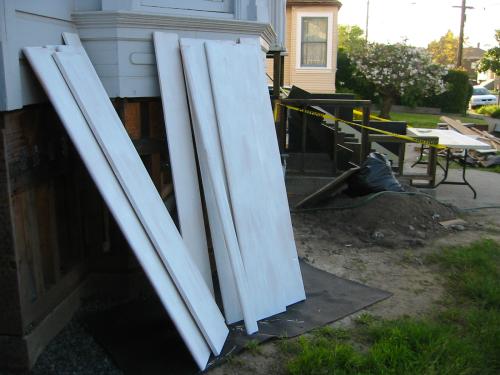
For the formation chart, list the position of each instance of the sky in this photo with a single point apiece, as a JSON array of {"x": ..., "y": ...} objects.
[{"x": 421, "y": 21}]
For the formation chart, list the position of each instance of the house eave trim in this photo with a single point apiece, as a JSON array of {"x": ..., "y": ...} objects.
[{"x": 153, "y": 21}]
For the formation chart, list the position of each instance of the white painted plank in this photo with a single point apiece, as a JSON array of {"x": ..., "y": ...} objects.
[
  {"x": 227, "y": 283},
  {"x": 116, "y": 200},
  {"x": 71, "y": 39},
  {"x": 229, "y": 261},
  {"x": 253, "y": 166},
  {"x": 181, "y": 150},
  {"x": 136, "y": 182}
]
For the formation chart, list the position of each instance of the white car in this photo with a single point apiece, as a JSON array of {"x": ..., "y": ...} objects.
[{"x": 481, "y": 96}]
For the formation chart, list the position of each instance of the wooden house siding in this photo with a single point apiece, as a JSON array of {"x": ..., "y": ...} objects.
[{"x": 319, "y": 80}]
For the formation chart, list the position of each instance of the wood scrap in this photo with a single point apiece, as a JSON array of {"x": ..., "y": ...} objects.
[
  {"x": 452, "y": 223},
  {"x": 457, "y": 125},
  {"x": 331, "y": 188}
]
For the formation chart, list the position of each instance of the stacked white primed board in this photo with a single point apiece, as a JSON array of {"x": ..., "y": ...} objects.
[
  {"x": 237, "y": 296},
  {"x": 94, "y": 159},
  {"x": 181, "y": 150},
  {"x": 130, "y": 171},
  {"x": 253, "y": 166},
  {"x": 240, "y": 166}
]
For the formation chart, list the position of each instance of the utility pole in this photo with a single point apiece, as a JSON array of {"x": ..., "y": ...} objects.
[
  {"x": 367, "y": 18},
  {"x": 461, "y": 36}
]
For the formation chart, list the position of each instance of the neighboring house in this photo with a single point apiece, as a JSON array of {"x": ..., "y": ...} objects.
[
  {"x": 471, "y": 58},
  {"x": 311, "y": 44}
]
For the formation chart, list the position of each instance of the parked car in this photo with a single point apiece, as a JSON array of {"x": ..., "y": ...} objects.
[{"x": 481, "y": 96}]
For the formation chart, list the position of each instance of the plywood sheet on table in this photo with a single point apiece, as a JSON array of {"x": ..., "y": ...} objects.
[
  {"x": 254, "y": 173},
  {"x": 135, "y": 181},
  {"x": 114, "y": 196}
]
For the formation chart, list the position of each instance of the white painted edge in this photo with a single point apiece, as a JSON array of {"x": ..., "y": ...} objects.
[
  {"x": 75, "y": 124},
  {"x": 181, "y": 150},
  {"x": 71, "y": 39}
]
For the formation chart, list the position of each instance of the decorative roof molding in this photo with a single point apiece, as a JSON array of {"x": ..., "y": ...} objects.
[{"x": 155, "y": 21}]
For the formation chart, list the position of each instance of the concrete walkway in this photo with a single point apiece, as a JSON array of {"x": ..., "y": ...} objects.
[{"x": 487, "y": 185}]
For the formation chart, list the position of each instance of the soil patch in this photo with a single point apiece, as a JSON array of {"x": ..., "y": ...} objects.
[{"x": 388, "y": 220}]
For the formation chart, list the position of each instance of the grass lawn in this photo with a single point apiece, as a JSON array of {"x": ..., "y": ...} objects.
[
  {"x": 418, "y": 120},
  {"x": 462, "y": 338}
]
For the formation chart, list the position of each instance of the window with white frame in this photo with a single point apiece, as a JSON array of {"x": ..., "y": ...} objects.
[{"x": 314, "y": 44}]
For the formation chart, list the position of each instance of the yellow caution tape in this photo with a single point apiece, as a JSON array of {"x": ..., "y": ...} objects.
[
  {"x": 373, "y": 117},
  {"x": 385, "y": 132}
]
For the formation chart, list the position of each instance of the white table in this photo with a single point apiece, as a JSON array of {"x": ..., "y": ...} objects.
[{"x": 452, "y": 140}]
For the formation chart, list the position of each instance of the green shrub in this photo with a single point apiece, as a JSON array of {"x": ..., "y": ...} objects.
[
  {"x": 458, "y": 92},
  {"x": 490, "y": 110},
  {"x": 347, "y": 81}
]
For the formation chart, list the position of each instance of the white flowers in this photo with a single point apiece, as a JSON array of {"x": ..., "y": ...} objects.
[{"x": 399, "y": 69}]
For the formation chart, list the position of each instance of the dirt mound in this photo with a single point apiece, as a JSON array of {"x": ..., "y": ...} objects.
[{"x": 389, "y": 220}]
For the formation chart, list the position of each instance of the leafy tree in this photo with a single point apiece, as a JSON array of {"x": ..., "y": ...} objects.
[
  {"x": 351, "y": 38},
  {"x": 491, "y": 59},
  {"x": 347, "y": 81},
  {"x": 397, "y": 70},
  {"x": 444, "y": 50}
]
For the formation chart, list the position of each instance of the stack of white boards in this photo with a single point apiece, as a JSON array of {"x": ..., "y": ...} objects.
[
  {"x": 240, "y": 166},
  {"x": 217, "y": 90}
]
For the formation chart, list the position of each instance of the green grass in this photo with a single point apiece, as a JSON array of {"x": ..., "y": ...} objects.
[
  {"x": 418, "y": 120},
  {"x": 464, "y": 338},
  {"x": 253, "y": 347},
  {"x": 494, "y": 169}
]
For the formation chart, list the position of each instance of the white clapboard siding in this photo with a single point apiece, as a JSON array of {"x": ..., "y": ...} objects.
[
  {"x": 181, "y": 150},
  {"x": 233, "y": 276},
  {"x": 116, "y": 200},
  {"x": 136, "y": 182},
  {"x": 253, "y": 166}
]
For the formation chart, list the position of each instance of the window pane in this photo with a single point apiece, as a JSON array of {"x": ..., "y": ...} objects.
[
  {"x": 314, "y": 29},
  {"x": 313, "y": 54}
]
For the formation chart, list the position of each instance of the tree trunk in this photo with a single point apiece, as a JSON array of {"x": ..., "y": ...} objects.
[{"x": 385, "y": 108}]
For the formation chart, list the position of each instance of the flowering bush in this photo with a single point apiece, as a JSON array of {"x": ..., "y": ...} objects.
[{"x": 399, "y": 70}]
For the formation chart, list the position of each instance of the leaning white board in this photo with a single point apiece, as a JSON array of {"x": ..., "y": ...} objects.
[
  {"x": 253, "y": 167},
  {"x": 233, "y": 277},
  {"x": 181, "y": 150},
  {"x": 202, "y": 94},
  {"x": 116, "y": 200},
  {"x": 136, "y": 182}
]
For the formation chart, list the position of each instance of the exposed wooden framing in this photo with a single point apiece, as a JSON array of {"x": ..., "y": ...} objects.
[
  {"x": 318, "y": 102},
  {"x": 304, "y": 141},
  {"x": 431, "y": 163},
  {"x": 365, "y": 141},
  {"x": 277, "y": 76}
]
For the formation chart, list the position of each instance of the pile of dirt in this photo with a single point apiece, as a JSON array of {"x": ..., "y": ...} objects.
[{"x": 388, "y": 220}]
